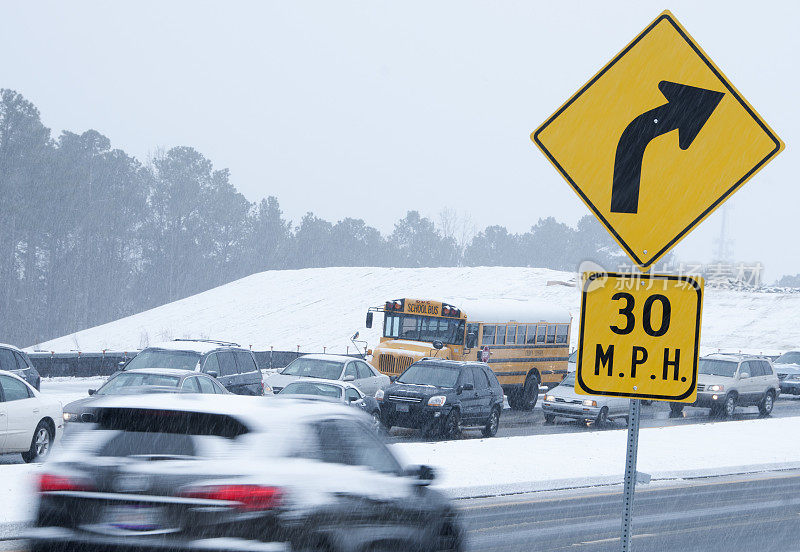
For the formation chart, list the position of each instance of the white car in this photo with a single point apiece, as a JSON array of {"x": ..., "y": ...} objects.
[
  {"x": 30, "y": 423},
  {"x": 332, "y": 367},
  {"x": 563, "y": 401}
]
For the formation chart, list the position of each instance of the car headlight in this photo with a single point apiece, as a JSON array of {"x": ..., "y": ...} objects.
[
  {"x": 716, "y": 388},
  {"x": 68, "y": 416},
  {"x": 437, "y": 400},
  {"x": 549, "y": 398},
  {"x": 589, "y": 402},
  {"x": 379, "y": 395}
]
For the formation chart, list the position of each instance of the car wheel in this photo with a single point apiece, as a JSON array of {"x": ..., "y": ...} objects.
[
  {"x": 765, "y": 407},
  {"x": 41, "y": 443},
  {"x": 677, "y": 408},
  {"x": 549, "y": 418},
  {"x": 452, "y": 425},
  {"x": 449, "y": 539},
  {"x": 493, "y": 424},
  {"x": 730, "y": 405},
  {"x": 602, "y": 417}
]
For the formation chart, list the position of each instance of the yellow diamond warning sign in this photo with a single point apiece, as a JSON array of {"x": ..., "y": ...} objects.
[
  {"x": 639, "y": 336},
  {"x": 656, "y": 141}
]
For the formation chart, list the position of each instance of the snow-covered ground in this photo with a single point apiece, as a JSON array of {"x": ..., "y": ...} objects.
[
  {"x": 516, "y": 464},
  {"x": 322, "y": 307}
]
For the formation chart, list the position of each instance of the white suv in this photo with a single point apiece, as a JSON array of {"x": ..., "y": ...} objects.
[{"x": 727, "y": 381}]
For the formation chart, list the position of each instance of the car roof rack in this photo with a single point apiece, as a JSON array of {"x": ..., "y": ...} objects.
[{"x": 216, "y": 341}]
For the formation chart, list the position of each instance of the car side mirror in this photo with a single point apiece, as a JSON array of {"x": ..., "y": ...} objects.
[
  {"x": 349, "y": 378},
  {"x": 213, "y": 373},
  {"x": 352, "y": 399},
  {"x": 744, "y": 375},
  {"x": 92, "y": 392},
  {"x": 369, "y": 320},
  {"x": 424, "y": 475}
]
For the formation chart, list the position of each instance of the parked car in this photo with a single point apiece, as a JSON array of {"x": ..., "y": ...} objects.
[
  {"x": 563, "y": 401},
  {"x": 30, "y": 423},
  {"x": 153, "y": 380},
  {"x": 726, "y": 381},
  {"x": 330, "y": 367},
  {"x": 189, "y": 472},
  {"x": 343, "y": 392},
  {"x": 234, "y": 366},
  {"x": 443, "y": 397},
  {"x": 18, "y": 363},
  {"x": 787, "y": 367}
]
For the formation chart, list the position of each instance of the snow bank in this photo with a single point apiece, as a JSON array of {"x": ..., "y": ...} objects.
[
  {"x": 322, "y": 307},
  {"x": 519, "y": 464}
]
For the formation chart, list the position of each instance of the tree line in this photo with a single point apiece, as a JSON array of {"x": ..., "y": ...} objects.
[{"x": 89, "y": 234}]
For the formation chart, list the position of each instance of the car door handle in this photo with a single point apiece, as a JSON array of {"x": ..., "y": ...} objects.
[{"x": 35, "y": 410}]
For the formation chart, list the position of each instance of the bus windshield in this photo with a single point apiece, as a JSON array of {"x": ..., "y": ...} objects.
[{"x": 424, "y": 328}]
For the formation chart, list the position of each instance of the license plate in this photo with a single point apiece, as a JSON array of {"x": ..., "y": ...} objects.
[
  {"x": 401, "y": 408},
  {"x": 134, "y": 518}
]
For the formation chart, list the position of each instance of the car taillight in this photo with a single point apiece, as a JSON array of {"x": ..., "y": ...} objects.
[
  {"x": 248, "y": 497},
  {"x": 49, "y": 483}
]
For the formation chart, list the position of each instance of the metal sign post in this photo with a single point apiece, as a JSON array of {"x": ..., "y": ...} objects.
[{"x": 630, "y": 473}]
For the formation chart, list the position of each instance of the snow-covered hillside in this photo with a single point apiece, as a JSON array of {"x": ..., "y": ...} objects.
[{"x": 323, "y": 307}]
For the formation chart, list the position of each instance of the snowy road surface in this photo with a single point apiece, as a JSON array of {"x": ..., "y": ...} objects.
[{"x": 753, "y": 513}]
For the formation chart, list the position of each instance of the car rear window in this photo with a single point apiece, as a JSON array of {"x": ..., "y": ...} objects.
[
  {"x": 173, "y": 422},
  {"x": 152, "y": 445}
]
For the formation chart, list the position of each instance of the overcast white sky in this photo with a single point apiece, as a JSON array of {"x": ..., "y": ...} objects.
[{"x": 369, "y": 109}]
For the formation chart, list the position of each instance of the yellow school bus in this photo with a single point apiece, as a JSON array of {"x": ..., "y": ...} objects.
[{"x": 524, "y": 342}]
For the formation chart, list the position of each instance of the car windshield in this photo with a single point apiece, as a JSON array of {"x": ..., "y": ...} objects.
[
  {"x": 118, "y": 383},
  {"x": 162, "y": 358},
  {"x": 792, "y": 357},
  {"x": 311, "y": 388},
  {"x": 314, "y": 368},
  {"x": 714, "y": 367},
  {"x": 430, "y": 374},
  {"x": 568, "y": 381}
]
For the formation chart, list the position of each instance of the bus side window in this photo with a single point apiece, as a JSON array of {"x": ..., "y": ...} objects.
[
  {"x": 541, "y": 329},
  {"x": 531, "y": 334},
  {"x": 500, "y": 338},
  {"x": 488, "y": 335},
  {"x": 561, "y": 333},
  {"x": 511, "y": 335},
  {"x": 551, "y": 333},
  {"x": 521, "y": 334}
]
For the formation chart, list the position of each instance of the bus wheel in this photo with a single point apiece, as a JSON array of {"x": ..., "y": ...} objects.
[{"x": 530, "y": 393}]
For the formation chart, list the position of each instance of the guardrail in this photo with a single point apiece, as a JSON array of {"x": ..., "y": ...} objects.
[{"x": 105, "y": 363}]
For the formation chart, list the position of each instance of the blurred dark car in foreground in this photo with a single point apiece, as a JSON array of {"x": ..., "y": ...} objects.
[
  {"x": 153, "y": 380},
  {"x": 221, "y": 472}
]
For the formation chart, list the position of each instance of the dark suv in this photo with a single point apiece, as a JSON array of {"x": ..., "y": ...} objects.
[
  {"x": 17, "y": 362},
  {"x": 234, "y": 366},
  {"x": 442, "y": 397}
]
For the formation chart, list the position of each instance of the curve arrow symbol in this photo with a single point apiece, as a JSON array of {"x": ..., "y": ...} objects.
[{"x": 687, "y": 110}]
